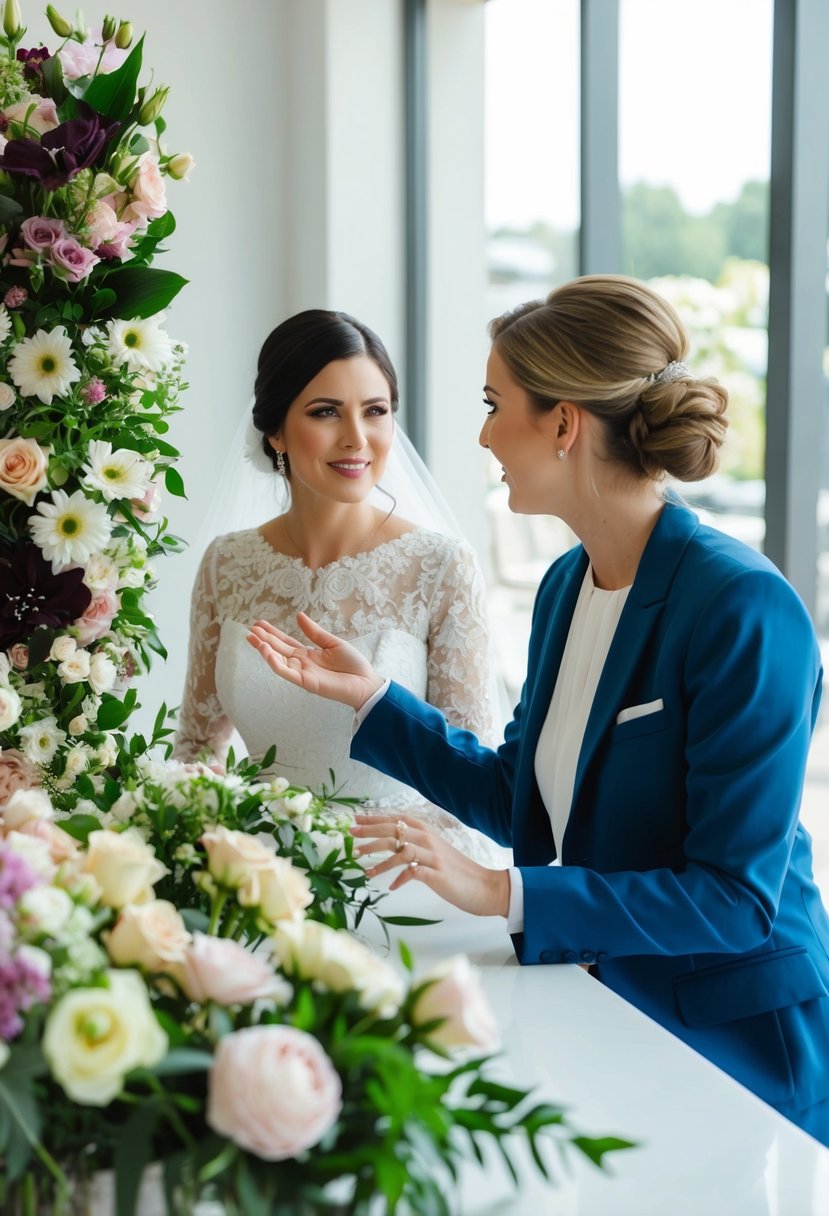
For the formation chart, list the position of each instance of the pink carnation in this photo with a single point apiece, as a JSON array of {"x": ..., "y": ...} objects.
[
  {"x": 94, "y": 391},
  {"x": 15, "y": 296}
]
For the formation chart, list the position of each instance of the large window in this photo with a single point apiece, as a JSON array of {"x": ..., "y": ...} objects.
[{"x": 694, "y": 153}]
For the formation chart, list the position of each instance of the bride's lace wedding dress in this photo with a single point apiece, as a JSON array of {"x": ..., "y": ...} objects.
[{"x": 415, "y": 606}]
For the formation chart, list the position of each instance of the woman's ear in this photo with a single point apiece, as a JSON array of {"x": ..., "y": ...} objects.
[
  {"x": 275, "y": 442},
  {"x": 568, "y": 420}
]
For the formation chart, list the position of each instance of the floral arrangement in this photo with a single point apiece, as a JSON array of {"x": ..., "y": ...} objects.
[
  {"x": 88, "y": 380},
  {"x": 271, "y": 1062}
]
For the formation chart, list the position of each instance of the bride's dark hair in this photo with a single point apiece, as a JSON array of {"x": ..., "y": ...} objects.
[{"x": 297, "y": 351}]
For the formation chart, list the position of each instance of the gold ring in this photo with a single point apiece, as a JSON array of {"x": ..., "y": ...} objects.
[{"x": 401, "y": 835}]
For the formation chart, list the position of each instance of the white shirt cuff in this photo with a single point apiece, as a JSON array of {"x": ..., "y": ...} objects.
[
  {"x": 365, "y": 709},
  {"x": 515, "y": 916}
]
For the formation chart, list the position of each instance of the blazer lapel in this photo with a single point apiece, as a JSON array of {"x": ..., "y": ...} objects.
[{"x": 657, "y": 567}]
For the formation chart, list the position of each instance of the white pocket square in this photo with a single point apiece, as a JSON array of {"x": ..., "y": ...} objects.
[{"x": 639, "y": 711}]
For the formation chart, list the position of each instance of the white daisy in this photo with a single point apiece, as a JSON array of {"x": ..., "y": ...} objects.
[
  {"x": 70, "y": 528},
  {"x": 40, "y": 740},
  {"x": 42, "y": 365},
  {"x": 119, "y": 474},
  {"x": 142, "y": 345},
  {"x": 5, "y": 323}
]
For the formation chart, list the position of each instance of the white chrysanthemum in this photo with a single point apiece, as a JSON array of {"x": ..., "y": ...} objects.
[
  {"x": 70, "y": 528},
  {"x": 5, "y": 323},
  {"x": 118, "y": 474},
  {"x": 42, "y": 365},
  {"x": 142, "y": 345},
  {"x": 40, "y": 740}
]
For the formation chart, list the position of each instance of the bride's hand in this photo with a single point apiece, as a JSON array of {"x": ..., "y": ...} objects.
[
  {"x": 428, "y": 858},
  {"x": 330, "y": 667}
]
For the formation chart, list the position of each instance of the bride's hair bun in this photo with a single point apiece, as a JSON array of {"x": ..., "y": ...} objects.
[{"x": 614, "y": 347}]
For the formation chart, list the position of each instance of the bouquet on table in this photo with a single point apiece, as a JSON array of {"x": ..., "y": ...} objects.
[{"x": 266, "y": 1060}]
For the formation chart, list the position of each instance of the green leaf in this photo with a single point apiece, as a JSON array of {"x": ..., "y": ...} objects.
[
  {"x": 114, "y": 93},
  {"x": 142, "y": 291},
  {"x": 409, "y": 920},
  {"x": 595, "y": 1147},
  {"x": 174, "y": 483},
  {"x": 80, "y": 826},
  {"x": 10, "y": 209},
  {"x": 162, "y": 227},
  {"x": 102, "y": 300},
  {"x": 406, "y": 956},
  {"x": 133, "y": 1152},
  {"x": 23, "y": 1124},
  {"x": 112, "y": 713},
  {"x": 183, "y": 1060}
]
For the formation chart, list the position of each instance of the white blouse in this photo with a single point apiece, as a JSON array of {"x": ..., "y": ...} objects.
[{"x": 594, "y": 622}]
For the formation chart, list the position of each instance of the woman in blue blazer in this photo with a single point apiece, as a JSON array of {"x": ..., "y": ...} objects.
[{"x": 658, "y": 750}]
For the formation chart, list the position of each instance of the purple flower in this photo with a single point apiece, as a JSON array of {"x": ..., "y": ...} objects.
[
  {"x": 33, "y": 62},
  {"x": 33, "y": 595},
  {"x": 22, "y": 985},
  {"x": 61, "y": 153},
  {"x": 16, "y": 877}
]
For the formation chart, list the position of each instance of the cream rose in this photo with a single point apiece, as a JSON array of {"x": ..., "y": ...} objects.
[
  {"x": 337, "y": 961},
  {"x": 101, "y": 573},
  {"x": 45, "y": 910},
  {"x": 23, "y": 465},
  {"x": 63, "y": 648},
  {"x": 124, "y": 866},
  {"x": 152, "y": 936},
  {"x": 279, "y": 890},
  {"x": 25, "y": 804},
  {"x": 221, "y": 970},
  {"x": 9, "y": 707},
  {"x": 95, "y": 1036},
  {"x": 102, "y": 672},
  {"x": 76, "y": 668},
  {"x": 455, "y": 994},
  {"x": 38, "y": 113},
  {"x": 233, "y": 857},
  {"x": 273, "y": 1091}
]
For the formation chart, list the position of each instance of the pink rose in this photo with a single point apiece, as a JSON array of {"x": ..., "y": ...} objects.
[
  {"x": 273, "y": 1091},
  {"x": 23, "y": 465},
  {"x": 16, "y": 773},
  {"x": 81, "y": 58},
  {"x": 62, "y": 847},
  {"x": 147, "y": 505},
  {"x": 456, "y": 995},
  {"x": 41, "y": 117},
  {"x": 118, "y": 245},
  {"x": 70, "y": 261},
  {"x": 40, "y": 233},
  {"x": 149, "y": 194},
  {"x": 221, "y": 970},
  {"x": 101, "y": 223},
  {"x": 19, "y": 656},
  {"x": 98, "y": 617},
  {"x": 151, "y": 935}
]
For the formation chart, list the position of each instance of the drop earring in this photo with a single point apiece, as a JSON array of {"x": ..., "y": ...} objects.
[
  {"x": 561, "y": 453},
  {"x": 280, "y": 463}
]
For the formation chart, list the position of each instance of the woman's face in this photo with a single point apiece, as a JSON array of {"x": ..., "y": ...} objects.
[
  {"x": 338, "y": 431},
  {"x": 522, "y": 440}
]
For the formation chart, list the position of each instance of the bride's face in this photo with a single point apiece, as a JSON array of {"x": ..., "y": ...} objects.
[{"x": 338, "y": 432}]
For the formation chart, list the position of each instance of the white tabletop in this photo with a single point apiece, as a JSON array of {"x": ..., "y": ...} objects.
[{"x": 708, "y": 1147}]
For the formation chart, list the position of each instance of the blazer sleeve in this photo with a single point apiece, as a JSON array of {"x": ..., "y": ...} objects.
[{"x": 751, "y": 684}]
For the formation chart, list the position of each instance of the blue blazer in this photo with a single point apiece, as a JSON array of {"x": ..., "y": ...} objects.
[{"x": 686, "y": 877}]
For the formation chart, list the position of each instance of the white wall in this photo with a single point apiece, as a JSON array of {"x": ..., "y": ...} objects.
[{"x": 293, "y": 110}]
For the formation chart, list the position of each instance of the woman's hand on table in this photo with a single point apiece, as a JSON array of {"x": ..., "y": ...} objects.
[
  {"x": 422, "y": 855},
  {"x": 330, "y": 667}
]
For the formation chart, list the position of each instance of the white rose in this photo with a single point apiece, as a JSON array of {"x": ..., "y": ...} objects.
[
  {"x": 456, "y": 995},
  {"x": 9, "y": 707},
  {"x": 279, "y": 890},
  {"x": 107, "y": 752},
  {"x": 298, "y": 804},
  {"x": 63, "y": 648},
  {"x": 339, "y": 962},
  {"x": 124, "y": 807},
  {"x": 7, "y": 397},
  {"x": 233, "y": 857},
  {"x": 95, "y": 1036},
  {"x": 150, "y": 935},
  {"x": 77, "y": 761},
  {"x": 124, "y": 866},
  {"x": 102, "y": 672},
  {"x": 328, "y": 842},
  {"x": 132, "y": 577},
  {"x": 78, "y": 725},
  {"x": 25, "y": 805},
  {"x": 45, "y": 910}
]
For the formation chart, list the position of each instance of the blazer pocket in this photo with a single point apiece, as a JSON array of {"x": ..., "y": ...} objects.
[
  {"x": 640, "y": 724},
  {"x": 752, "y": 986},
  {"x": 639, "y": 711}
]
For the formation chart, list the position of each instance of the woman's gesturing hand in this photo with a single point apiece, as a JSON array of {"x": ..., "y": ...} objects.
[
  {"x": 428, "y": 858},
  {"x": 330, "y": 667}
]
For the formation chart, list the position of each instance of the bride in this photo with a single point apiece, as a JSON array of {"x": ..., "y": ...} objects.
[{"x": 410, "y": 598}]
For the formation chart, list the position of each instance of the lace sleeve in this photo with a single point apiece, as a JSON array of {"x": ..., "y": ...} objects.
[
  {"x": 203, "y": 725},
  {"x": 461, "y": 674}
]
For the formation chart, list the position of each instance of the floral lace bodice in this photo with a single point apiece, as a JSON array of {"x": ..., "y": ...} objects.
[{"x": 415, "y": 606}]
